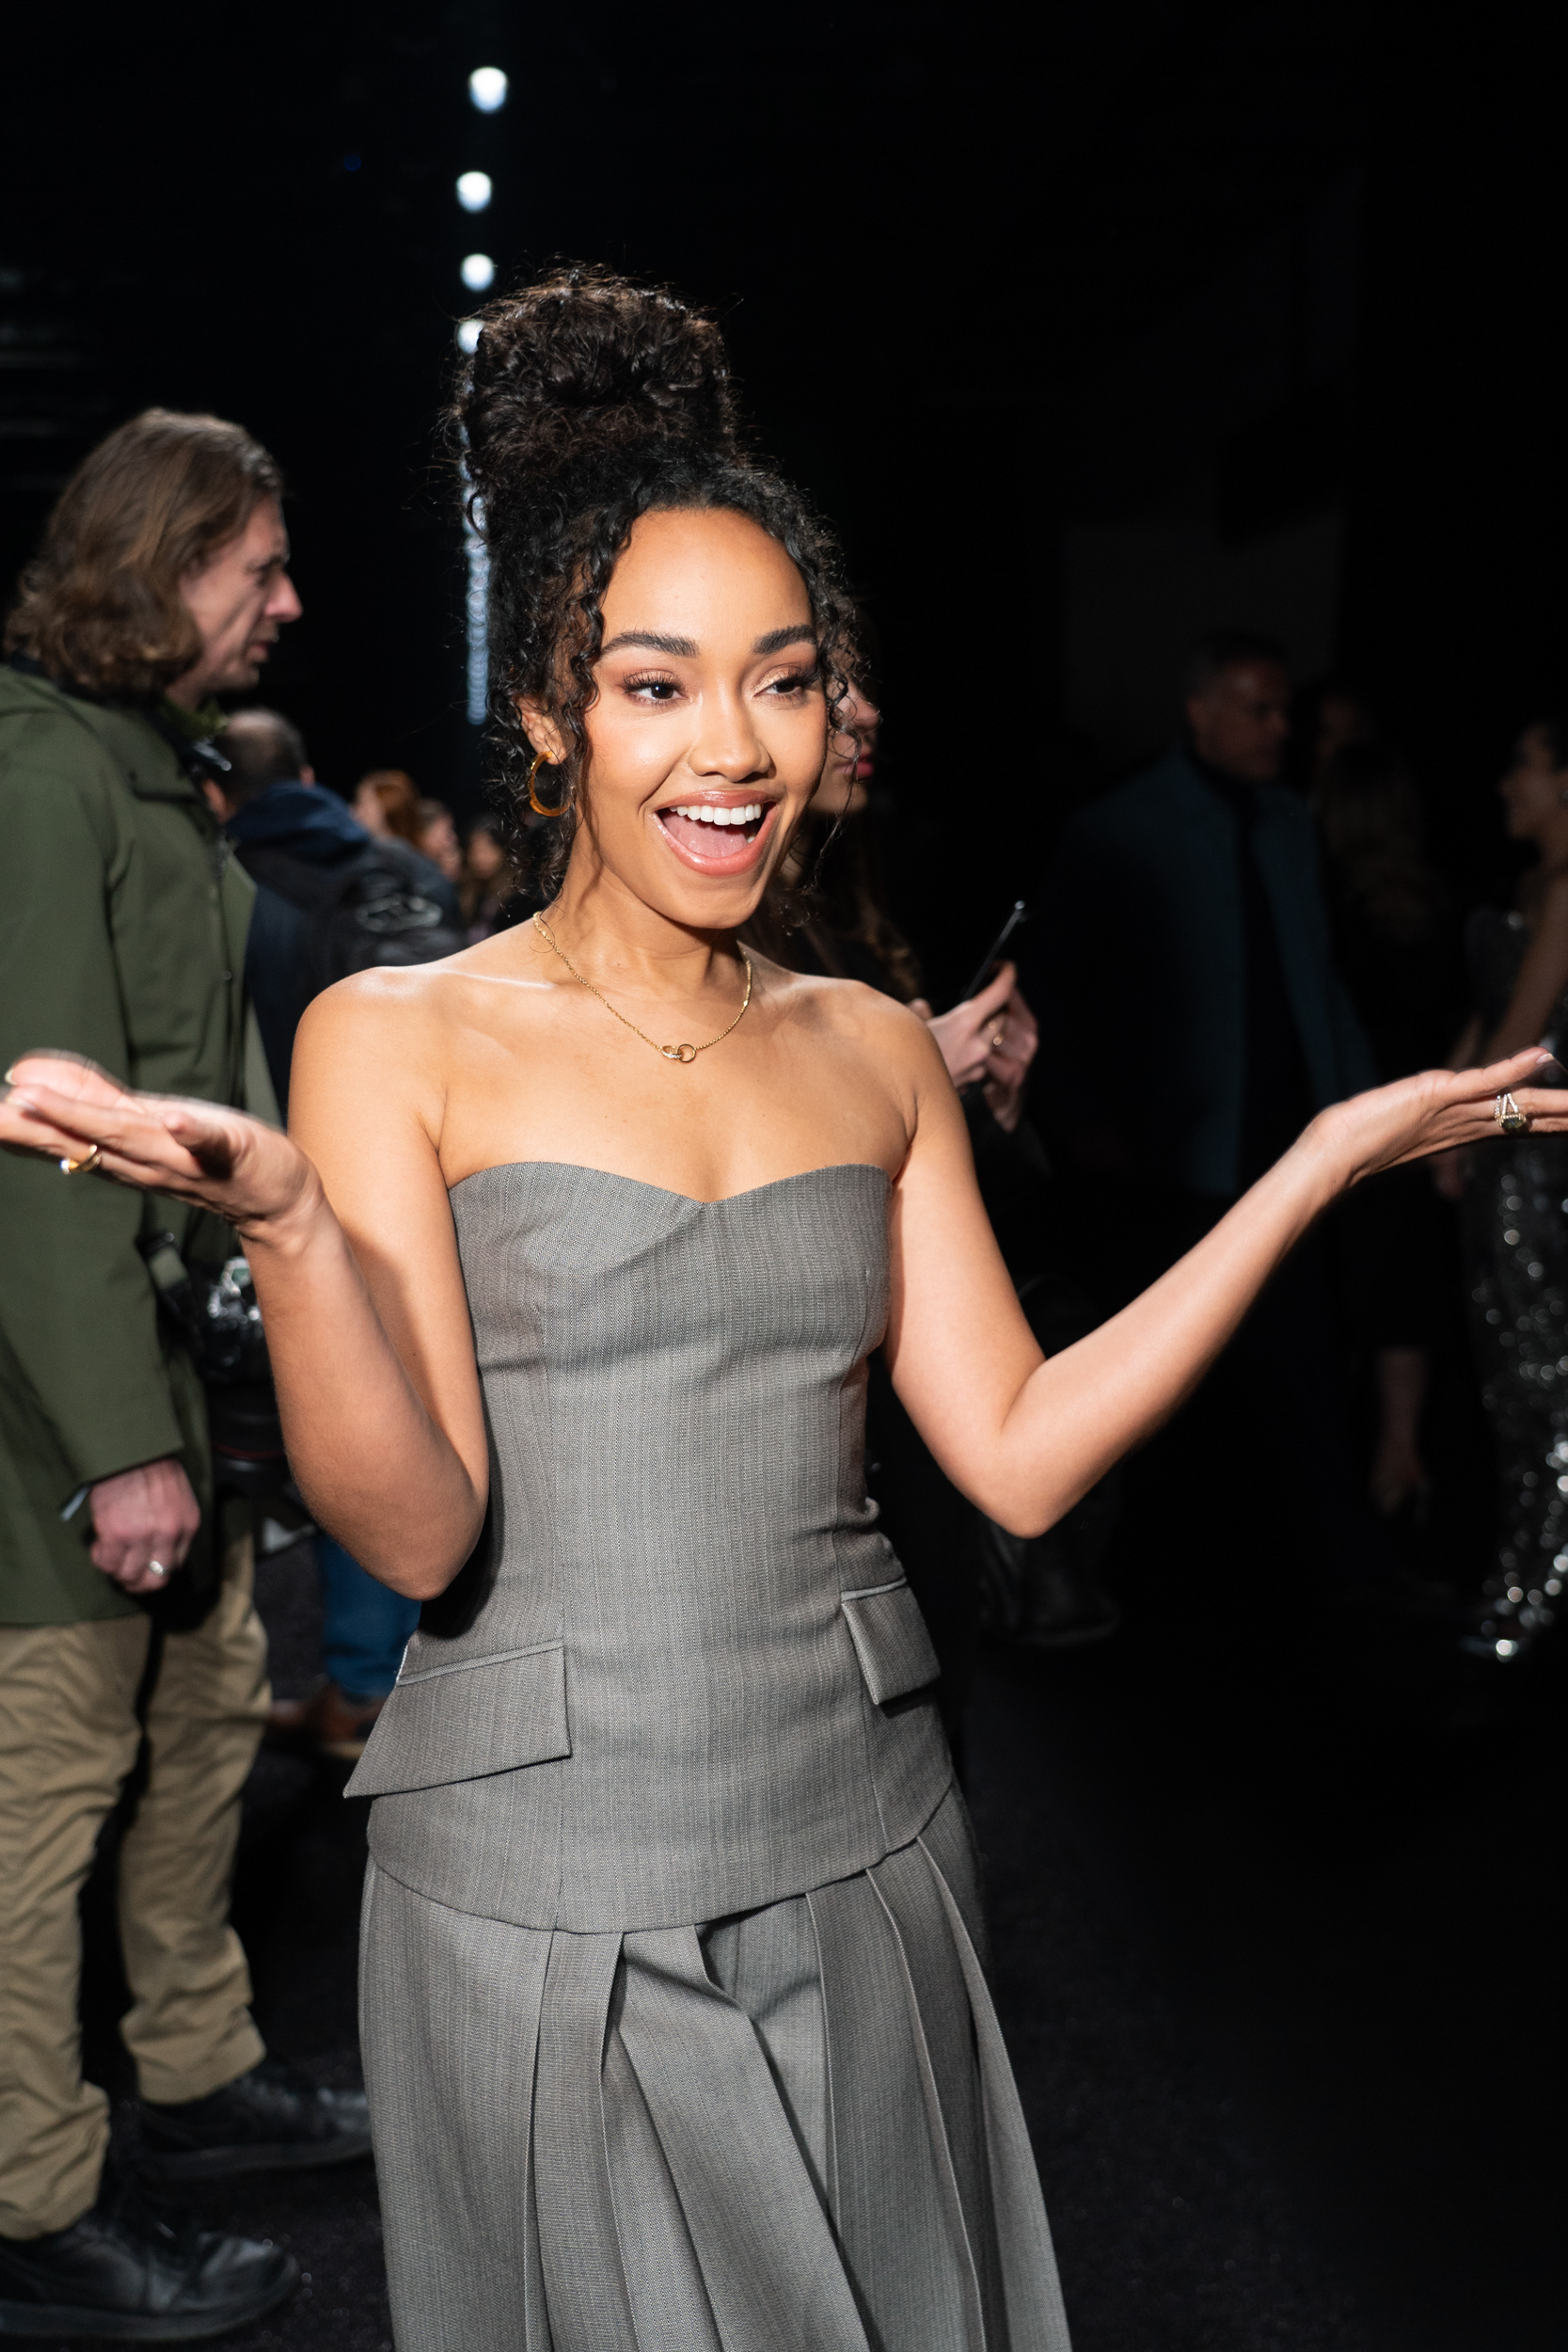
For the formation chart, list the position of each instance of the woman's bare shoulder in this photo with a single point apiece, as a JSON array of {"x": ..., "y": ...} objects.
[
  {"x": 859, "y": 1020},
  {"x": 405, "y": 997}
]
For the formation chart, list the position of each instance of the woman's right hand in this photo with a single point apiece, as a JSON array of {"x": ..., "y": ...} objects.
[{"x": 60, "y": 1106}]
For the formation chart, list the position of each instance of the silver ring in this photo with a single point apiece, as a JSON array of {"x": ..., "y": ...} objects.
[
  {"x": 156, "y": 1567},
  {"x": 1510, "y": 1120}
]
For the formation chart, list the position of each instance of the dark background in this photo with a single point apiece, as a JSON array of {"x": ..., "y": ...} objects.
[
  {"x": 1277, "y": 283},
  {"x": 1090, "y": 326}
]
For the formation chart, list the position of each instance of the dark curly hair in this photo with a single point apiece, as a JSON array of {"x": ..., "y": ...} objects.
[{"x": 588, "y": 402}]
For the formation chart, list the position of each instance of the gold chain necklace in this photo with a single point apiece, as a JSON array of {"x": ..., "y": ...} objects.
[{"x": 671, "y": 1053}]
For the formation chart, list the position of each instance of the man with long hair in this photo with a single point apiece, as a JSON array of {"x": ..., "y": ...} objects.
[{"x": 126, "y": 1622}]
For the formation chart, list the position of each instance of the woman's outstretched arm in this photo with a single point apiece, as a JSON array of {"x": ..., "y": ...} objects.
[
  {"x": 350, "y": 1239},
  {"x": 1025, "y": 1437}
]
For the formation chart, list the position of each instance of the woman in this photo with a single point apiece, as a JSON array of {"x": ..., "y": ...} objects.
[
  {"x": 1515, "y": 1221},
  {"x": 674, "y": 2025},
  {"x": 827, "y": 915}
]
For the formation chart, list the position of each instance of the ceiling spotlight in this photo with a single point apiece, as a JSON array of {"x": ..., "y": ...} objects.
[
  {"x": 479, "y": 271},
  {"x": 487, "y": 88},
  {"x": 467, "y": 335},
  {"x": 474, "y": 191}
]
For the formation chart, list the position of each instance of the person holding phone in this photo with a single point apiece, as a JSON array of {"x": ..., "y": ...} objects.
[{"x": 826, "y": 913}]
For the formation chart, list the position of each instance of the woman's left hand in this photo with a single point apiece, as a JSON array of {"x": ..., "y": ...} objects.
[{"x": 1441, "y": 1110}]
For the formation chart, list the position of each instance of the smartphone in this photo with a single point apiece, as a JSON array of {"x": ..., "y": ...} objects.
[{"x": 997, "y": 953}]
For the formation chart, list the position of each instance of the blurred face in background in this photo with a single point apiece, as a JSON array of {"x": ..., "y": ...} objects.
[
  {"x": 438, "y": 842},
  {"x": 485, "y": 856},
  {"x": 1532, "y": 790},
  {"x": 851, "y": 759},
  {"x": 1239, "y": 724}
]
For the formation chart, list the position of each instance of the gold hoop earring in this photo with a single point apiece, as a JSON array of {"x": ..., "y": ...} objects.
[{"x": 541, "y": 760}]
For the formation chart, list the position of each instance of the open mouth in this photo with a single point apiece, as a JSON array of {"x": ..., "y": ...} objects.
[{"x": 717, "y": 836}]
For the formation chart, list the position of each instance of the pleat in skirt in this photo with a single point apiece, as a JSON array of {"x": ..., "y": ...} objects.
[{"x": 791, "y": 2131}]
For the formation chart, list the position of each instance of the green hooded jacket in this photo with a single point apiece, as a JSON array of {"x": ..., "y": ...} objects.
[{"x": 123, "y": 935}]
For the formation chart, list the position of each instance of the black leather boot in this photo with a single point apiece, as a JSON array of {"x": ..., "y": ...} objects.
[
  {"x": 270, "y": 2121},
  {"x": 135, "y": 2272}
]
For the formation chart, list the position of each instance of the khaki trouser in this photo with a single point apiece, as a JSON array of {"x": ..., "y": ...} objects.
[{"x": 68, "y": 1738}]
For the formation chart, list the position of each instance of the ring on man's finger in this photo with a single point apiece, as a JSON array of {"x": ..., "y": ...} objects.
[{"x": 156, "y": 1567}]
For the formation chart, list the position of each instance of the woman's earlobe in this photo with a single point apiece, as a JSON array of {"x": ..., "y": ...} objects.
[{"x": 541, "y": 730}]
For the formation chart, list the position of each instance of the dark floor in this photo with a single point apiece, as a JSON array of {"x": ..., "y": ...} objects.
[{"x": 1278, "y": 1953}]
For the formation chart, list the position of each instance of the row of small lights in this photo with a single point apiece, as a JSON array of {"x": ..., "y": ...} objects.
[
  {"x": 487, "y": 91},
  {"x": 488, "y": 87}
]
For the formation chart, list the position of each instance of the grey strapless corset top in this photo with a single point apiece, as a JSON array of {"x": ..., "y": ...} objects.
[{"x": 683, "y": 1675}]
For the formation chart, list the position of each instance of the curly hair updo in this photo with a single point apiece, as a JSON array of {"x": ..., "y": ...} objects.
[{"x": 590, "y": 401}]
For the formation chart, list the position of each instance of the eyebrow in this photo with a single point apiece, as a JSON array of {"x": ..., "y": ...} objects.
[
  {"x": 686, "y": 649},
  {"x": 798, "y": 633},
  {"x": 652, "y": 643}
]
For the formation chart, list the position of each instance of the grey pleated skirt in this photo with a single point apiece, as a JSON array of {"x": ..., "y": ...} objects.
[{"x": 792, "y": 2131}]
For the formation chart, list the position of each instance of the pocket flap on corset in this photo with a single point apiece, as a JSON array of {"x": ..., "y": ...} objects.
[
  {"x": 891, "y": 1640},
  {"x": 465, "y": 1721}
]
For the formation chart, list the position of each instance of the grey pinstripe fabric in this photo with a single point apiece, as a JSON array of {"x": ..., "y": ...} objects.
[
  {"x": 793, "y": 2132},
  {"x": 676, "y": 1391},
  {"x": 684, "y": 1683}
]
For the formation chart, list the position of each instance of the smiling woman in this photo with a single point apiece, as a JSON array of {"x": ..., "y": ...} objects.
[
  {"x": 623, "y": 396},
  {"x": 675, "y": 2029}
]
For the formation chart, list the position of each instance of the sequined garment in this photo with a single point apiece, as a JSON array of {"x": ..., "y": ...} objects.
[{"x": 1516, "y": 1246}]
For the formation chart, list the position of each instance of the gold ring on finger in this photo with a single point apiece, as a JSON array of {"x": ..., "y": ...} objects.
[
  {"x": 1510, "y": 1120},
  {"x": 83, "y": 1166}
]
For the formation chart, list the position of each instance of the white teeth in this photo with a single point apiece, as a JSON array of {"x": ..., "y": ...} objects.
[{"x": 703, "y": 813}]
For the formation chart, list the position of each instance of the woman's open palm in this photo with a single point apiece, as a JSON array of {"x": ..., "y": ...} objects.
[{"x": 61, "y": 1106}]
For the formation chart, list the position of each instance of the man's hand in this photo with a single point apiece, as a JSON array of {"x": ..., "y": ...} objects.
[
  {"x": 993, "y": 1038},
  {"x": 139, "y": 1515}
]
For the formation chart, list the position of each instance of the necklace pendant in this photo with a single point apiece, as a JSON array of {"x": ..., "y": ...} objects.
[{"x": 678, "y": 1052}]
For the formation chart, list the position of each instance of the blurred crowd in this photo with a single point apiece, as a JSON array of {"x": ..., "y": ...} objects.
[{"x": 1222, "y": 944}]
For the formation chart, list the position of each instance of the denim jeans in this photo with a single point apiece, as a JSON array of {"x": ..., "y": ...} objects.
[{"x": 366, "y": 1624}]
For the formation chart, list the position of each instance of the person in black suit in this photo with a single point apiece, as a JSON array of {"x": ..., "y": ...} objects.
[{"x": 1191, "y": 1024}]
